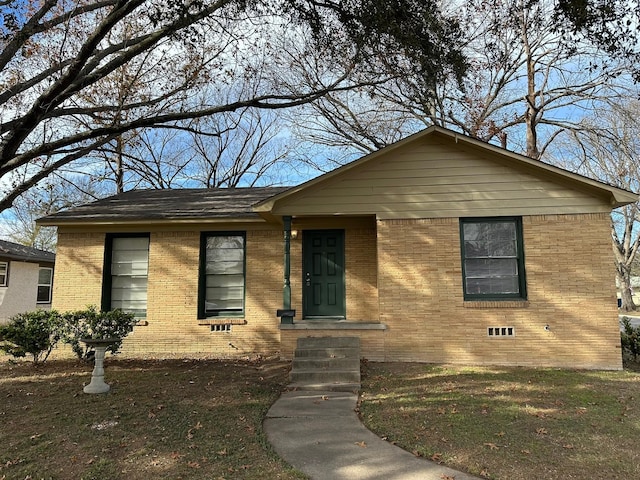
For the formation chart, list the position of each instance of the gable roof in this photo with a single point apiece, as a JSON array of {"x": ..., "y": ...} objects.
[
  {"x": 446, "y": 160},
  {"x": 15, "y": 251},
  {"x": 191, "y": 204},
  {"x": 402, "y": 180}
]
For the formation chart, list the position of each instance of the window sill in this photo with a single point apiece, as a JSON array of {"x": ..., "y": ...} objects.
[
  {"x": 222, "y": 321},
  {"x": 496, "y": 304}
]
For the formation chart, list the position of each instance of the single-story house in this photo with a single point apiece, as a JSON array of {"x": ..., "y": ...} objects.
[
  {"x": 26, "y": 277},
  {"x": 438, "y": 248}
]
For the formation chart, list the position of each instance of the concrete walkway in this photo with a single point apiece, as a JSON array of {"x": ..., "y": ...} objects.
[{"x": 320, "y": 434}]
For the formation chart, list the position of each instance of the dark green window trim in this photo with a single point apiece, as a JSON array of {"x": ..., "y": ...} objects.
[
  {"x": 203, "y": 311},
  {"x": 107, "y": 277},
  {"x": 518, "y": 257}
]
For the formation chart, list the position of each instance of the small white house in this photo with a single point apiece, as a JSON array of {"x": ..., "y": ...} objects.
[{"x": 26, "y": 279}]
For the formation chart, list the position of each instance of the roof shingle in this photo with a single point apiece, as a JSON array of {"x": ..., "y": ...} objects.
[
  {"x": 15, "y": 251},
  {"x": 177, "y": 204}
]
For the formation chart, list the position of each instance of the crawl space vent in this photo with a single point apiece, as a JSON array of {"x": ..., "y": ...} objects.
[
  {"x": 501, "y": 331},
  {"x": 221, "y": 328}
]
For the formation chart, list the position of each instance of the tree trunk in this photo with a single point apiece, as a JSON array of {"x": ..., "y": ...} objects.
[
  {"x": 531, "y": 98},
  {"x": 119, "y": 166},
  {"x": 626, "y": 292}
]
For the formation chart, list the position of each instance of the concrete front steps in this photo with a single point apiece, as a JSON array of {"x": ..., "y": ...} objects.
[{"x": 326, "y": 364}]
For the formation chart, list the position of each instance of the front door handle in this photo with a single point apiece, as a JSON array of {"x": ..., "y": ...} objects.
[{"x": 308, "y": 279}]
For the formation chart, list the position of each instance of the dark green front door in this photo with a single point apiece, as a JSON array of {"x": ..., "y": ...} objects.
[{"x": 323, "y": 274}]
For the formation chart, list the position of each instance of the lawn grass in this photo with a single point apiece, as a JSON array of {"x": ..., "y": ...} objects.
[
  {"x": 509, "y": 423},
  {"x": 202, "y": 419},
  {"x": 192, "y": 419}
]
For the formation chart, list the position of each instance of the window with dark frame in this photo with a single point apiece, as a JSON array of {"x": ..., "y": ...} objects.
[
  {"x": 126, "y": 273},
  {"x": 492, "y": 258},
  {"x": 222, "y": 275},
  {"x": 45, "y": 281}
]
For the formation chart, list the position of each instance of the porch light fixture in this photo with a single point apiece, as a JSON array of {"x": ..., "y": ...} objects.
[{"x": 294, "y": 234}]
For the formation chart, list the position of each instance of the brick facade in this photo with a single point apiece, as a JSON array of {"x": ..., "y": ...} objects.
[
  {"x": 78, "y": 273},
  {"x": 405, "y": 274},
  {"x": 570, "y": 284}
]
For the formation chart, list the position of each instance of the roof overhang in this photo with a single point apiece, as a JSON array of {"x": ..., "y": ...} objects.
[{"x": 44, "y": 222}]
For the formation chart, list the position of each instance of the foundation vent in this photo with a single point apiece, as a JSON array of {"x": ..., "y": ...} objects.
[
  {"x": 501, "y": 331},
  {"x": 225, "y": 327}
]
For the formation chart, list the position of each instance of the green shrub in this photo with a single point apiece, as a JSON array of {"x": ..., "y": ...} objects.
[
  {"x": 34, "y": 333},
  {"x": 91, "y": 323},
  {"x": 630, "y": 338}
]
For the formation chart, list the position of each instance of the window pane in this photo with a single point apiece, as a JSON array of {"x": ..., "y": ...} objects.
[
  {"x": 225, "y": 280},
  {"x": 495, "y": 267},
  {"x": 44, "y": 276},
  {"x": 129, "y": 270},
  {"x": 131, "y": 243},
  {"x": 225, "y": 241},
  {"x": 221, "y": 267},
  {"x": 492, "y": 260},
  {"x": 135, "y": 290},
  {"x": 492, "y": 285},
  {"x": 224, "y": 274},
  {"x": 44, "y": 294},
  {"x": 491, "y": 239}
]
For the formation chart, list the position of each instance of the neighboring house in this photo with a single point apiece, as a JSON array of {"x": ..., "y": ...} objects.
[
  {"x": 439, "y": 248},
  {"x": 26, "y": 279}
]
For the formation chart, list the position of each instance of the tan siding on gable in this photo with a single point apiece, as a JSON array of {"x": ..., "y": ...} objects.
[{"x": 432, "y": 179}]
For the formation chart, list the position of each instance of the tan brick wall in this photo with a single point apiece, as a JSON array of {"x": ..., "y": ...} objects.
[
  {"x": 410, "y": 279},
  {"x": 78, "y": 274},
  {"x": 570, "y": 287},
  {"x": 172, "y": 296},
  {"x": 361, "y": 275}
]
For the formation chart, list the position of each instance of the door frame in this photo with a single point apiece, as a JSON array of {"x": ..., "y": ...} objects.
[{"x": 306, "y": 235}]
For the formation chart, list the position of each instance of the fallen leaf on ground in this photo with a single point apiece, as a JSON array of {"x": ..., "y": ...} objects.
[
  {"x": 492, "y": 446},
  {"x": 361, "y": 444}
]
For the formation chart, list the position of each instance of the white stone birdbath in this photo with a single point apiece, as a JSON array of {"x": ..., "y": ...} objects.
[{"x": 100, "y": 345}]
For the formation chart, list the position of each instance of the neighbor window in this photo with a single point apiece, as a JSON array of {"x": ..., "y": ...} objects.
[
  {"x": 126, "y": 267},
  {"x": 45, "y": 280},
  {"x": 492, "y": 258},
  {"x": 222, "y": 274},
  {"x": 4, "y": 273}
]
